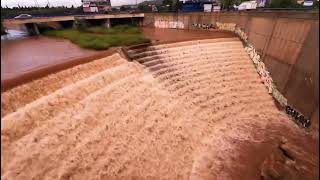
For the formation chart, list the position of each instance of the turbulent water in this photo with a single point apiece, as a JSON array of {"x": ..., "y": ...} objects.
[
  {"x": 14, "y": 35},
  {"x": 22, "y": 53},
  {"x": 189, "y": 110}
]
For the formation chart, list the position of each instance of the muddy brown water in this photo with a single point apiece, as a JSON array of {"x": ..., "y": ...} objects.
[
  {"x": 33, "y": 57},
  {"x": 194, "y": 121},
  {"x": 20, "y": 56}
]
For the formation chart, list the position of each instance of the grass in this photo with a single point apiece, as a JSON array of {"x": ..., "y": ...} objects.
[{"x": 100, "y": 38}]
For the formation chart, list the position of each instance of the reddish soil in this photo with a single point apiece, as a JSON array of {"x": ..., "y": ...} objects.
[{"x": 176, "y": 35}]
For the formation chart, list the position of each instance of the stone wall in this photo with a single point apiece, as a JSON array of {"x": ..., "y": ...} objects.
[{"x": 288, "y": 43}]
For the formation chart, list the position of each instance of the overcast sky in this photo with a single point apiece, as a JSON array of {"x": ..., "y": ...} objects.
[{"x": 11, "y": 3}]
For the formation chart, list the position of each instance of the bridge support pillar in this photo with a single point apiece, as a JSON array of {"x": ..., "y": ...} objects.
[
  {"x": 32, "y": 29},
  {"x": 35, "y": 29},
  {"x": 74, "y": 25},
  {"x": 107, "y": 23}
]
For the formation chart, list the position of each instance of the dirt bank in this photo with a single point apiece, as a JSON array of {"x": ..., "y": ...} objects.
[{"x": 158, "y": 35}]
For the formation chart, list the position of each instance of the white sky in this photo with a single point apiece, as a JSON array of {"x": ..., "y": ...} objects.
[{"x": 11, "y": 3}]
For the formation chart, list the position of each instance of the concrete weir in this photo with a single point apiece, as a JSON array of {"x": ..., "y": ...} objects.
[
  {"x": 194, "y": 109},
  {"x": 286, "y": 41},
  {"x": 188, "y": 110}
]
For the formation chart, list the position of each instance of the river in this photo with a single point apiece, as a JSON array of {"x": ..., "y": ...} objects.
[{"x": 22, "y": 53}]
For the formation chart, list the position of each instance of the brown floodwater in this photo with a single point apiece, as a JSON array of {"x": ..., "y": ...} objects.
[
  {"x": 32, "y": 57},
  {"x": 31, "y": 53}
]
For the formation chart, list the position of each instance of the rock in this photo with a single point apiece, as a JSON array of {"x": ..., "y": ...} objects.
[{"x": 288, "y": 162}]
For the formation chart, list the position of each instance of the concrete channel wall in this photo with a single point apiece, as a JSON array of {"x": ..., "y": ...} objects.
[{"x": 287, "y": 41}]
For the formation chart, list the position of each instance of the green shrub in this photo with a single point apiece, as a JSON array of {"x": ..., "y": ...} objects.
[
  {"x": 100, "y": 38},
  {"x": 114, "y": 30},
  {"x": 284, "y": 4}
]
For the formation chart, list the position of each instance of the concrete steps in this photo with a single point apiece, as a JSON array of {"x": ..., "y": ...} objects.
[
  {"x": 19, "y": 96},
  {"x": 46, "y": 107},
  {"x": 111, "y": 118}
]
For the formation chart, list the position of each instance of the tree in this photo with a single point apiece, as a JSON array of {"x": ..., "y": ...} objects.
[
  {"x": 284, "y": 4},
  {"x": 316, "y": 4},
  {"x": 179, "y": 5},
  {"x": 123, "y": 8},
  {"x": 144, "y": 7},
  {"x": 176, "y": 5},
  {"x": 228, "y": 4},
  {"x": 167, "y": 5}
]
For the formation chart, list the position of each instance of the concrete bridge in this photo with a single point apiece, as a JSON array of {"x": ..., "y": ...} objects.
[
  {"x": 58, "y": 22},
  {"x": 71, "y": 18}
]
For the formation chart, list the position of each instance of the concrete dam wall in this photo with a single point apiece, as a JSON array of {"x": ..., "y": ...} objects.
[
  {"x": 287, "y": 41},
  {"x": 182, "y": 116}
]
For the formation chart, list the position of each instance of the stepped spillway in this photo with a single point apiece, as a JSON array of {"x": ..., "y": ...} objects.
[{"x": 188, "y": 110}]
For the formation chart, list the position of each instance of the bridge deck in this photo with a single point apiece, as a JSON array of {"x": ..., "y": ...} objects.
[{"x": 69, "y": 18}]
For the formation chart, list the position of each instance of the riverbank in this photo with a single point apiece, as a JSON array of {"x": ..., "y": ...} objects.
[
  {"x": 160, "y": 36},
  {"x": 34, "y": 57},
  {"x": 101, "y": 38}
]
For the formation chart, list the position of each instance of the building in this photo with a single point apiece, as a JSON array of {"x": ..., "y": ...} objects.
[
  {"x": 198, "y": 5},
  {"x": 96, "y": 5}
]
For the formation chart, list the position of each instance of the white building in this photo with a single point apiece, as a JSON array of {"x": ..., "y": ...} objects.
[{"x": 96, "y": 5}]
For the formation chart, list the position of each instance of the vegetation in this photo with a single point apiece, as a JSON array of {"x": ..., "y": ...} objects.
[
  {"x": 228, "y": 4},
  {"x": 100, "y": 38},
  {"x": 39, "y": 11},
  {"x": 169, "y": 6},
  {"x": 145, "y": 6},
  {"x": 284, "y": 4},
  {"x": 164, "y": 6}
]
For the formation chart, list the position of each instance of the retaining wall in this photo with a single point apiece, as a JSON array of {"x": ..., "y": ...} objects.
[{"x": 287, "y": 41}]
